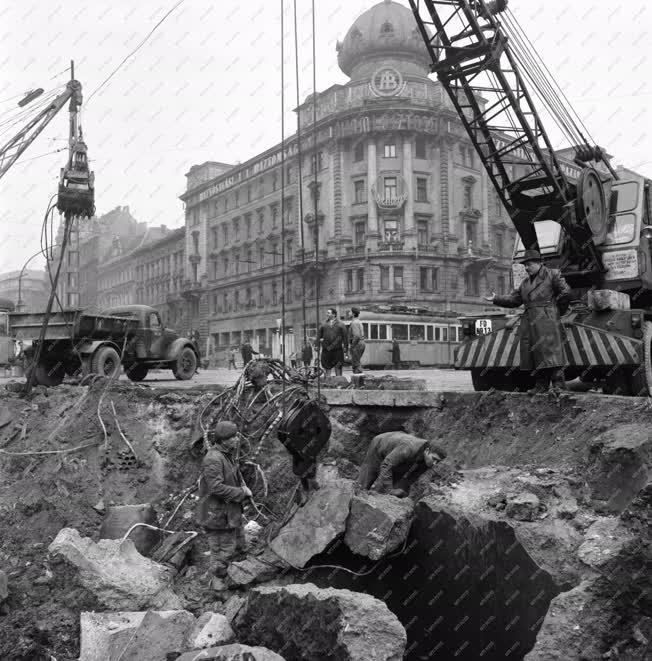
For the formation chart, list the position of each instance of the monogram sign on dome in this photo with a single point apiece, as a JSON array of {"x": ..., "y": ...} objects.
[{"x": 387, "y": 82}]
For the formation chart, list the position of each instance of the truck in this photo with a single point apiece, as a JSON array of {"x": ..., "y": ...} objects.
[
  {"x": 593, "y": 224},
  {"x": 84, "y": 342}
]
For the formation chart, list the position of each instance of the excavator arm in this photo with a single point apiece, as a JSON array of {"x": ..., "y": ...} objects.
[
  {"x": 488, "y": 87},
  {"x": 12, "y": 150}
]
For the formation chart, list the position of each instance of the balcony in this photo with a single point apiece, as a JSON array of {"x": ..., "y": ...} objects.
[
  {"x": 390, "y": 197},
  {"x": 356, "y": 250},
  {"x": 391, "y": 246},
  {"x": 427, "y": 248}
]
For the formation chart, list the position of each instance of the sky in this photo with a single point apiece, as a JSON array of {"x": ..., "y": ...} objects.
[{"x": 207, "y": 83}]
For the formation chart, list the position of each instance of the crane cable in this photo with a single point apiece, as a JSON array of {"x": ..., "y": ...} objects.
[
  {"x": 315, "y": 193},
  {"x": 300, "y": 180}
]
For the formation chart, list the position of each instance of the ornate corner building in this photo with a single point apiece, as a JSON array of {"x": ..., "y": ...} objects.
[{"x": 396, "y": 206}]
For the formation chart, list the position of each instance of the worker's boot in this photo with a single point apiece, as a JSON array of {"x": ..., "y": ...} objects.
[
  {"x": 558, "y": 382},
  {"x": 540, "y": 386}
]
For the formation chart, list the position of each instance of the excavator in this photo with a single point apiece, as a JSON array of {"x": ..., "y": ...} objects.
[{"x": 596, "y": 228}]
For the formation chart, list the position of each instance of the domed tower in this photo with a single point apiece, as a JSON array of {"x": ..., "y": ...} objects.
[{"x": 385, "y": 36}]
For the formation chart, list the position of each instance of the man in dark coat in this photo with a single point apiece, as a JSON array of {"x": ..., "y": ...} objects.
[
  {"x": 247, "y": 352},
  {"x": 334, "y": 342},
  {"x": 395, "y": 460},
  {"x": 541, "y": 335},
  {"x": 306, "y": 354},
  {"x": 221, "y": 494}
]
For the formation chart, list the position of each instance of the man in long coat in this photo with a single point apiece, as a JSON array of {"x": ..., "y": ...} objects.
[
  {"x": 334, "y": 343},
  {"x": 541, "y": 335}
]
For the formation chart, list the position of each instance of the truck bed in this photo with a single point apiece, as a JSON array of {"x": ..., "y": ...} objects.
[{"x": 72, "y": 324}]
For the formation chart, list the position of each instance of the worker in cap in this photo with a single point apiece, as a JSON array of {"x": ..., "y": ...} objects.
[
  {"x": 356, "y": 340},
  {"x": 221, "y": 495},
  {"x": 544, "y": 294},
  {"x": 395, "y": 460}
]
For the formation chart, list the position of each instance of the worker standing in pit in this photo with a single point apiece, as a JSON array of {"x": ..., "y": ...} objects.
[
  {"x": 395, "y": 460},
  {"x": 221, "y": 495},
  {"x": 542, "y": 293}
]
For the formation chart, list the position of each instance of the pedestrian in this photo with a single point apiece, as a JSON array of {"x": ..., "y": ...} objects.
[
  {"x": 293, "y": 359},
  {"x": 543, "y": 292},
  {"x": 396, "y": 354},
  {"x": 221, "y": 495},
  {"x": 233, "y": 352},
  {"x": 356, "y": 340},
  {"x": 248, "y": 352},
  {"x": 332, "y": 335},
  {"x": 306, "y": 354},
  {"x": 395, "y": 460}
]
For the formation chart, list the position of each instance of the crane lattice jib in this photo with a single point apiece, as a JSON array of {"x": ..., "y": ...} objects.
[
  {"x": 12, "y": 150},
  {"x": 473, "y": 61}
]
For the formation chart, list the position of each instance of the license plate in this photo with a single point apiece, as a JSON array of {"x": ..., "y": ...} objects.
[{"x": 483, "y": 327}]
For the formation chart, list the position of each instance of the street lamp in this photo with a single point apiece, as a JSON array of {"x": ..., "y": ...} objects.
[{"x": 19, "y": 303}]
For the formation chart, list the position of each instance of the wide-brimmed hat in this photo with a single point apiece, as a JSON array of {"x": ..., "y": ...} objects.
[{"x": 530, "y": 256}]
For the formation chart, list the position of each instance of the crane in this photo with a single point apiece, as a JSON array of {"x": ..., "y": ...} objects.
[{"x": 597, "y": 227}]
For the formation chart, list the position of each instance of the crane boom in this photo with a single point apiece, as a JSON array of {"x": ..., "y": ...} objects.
[
  {"x": 12, "y": 150},
  {"x": 474, "y": 62}
]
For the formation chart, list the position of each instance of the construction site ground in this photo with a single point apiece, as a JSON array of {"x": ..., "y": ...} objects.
[{"x": 501, "y": 446}]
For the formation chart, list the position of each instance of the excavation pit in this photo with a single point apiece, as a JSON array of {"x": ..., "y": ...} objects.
[{"x": 472, "y": 582}]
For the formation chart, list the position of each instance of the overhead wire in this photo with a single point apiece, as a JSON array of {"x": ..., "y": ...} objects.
[
  {"x": 283, "y": 278},
  {"x": 133, "y": 52}
]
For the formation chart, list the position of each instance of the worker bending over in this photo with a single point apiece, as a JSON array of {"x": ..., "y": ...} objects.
[
  {"x": 395, "y": 460},
  {"x": 221, "y": 495}
]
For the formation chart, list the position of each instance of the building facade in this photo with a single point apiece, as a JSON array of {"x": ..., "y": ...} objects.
[
  {"x": 394, "y": 199},
  {"x": 26, "y": 289}
]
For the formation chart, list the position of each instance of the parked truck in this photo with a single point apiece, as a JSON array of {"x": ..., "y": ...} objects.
[{"x": 79, "y": 341}]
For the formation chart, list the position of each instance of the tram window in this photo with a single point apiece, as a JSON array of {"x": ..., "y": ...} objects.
[
  {"x": 382, "y": 332},
  {"x": 437, "y": 334},
  {"x": 429, "y": 328},
  {"x": 373, "y": 332},
  {"x": 365, "y": 329},
  {"x": 444, "y": 334},
  {"x": 399, "y": 331},
  {"x": 417, "y": 332},
  {"x": 453, "y": 333}
]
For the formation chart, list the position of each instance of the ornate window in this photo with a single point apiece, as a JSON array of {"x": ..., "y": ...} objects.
[
  {"x": 358, "y": 151},
  {"x": 359, "y": 191},
  {"x": 389, "y": 150}
]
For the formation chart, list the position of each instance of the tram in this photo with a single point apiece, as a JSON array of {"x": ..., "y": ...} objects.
[{"x": 425, "y": 337}]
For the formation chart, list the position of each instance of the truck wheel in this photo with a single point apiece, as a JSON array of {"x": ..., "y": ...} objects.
[
  {"x": 480, "y": 379},
  {"x": 185, "y": 364},
  {"x": 106, "y": 362},
  {"x": 48, "y": 375},
  {"x": 137, "y": 371},
  {"x": 641, "y": 376}
]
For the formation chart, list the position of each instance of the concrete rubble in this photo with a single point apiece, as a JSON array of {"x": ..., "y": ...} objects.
[
  {"x": 114, "y": 571},
  {"x": 378, "y": 524},
  {"x": 233, "y": 652},
  {"x": 352, "y": 626},
  {"x": 210, "y": 629},
  {"x": 524, "y": 507},
  {"x": 315, "y": 525}
]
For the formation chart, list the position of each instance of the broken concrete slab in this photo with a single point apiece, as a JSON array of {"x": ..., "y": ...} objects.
[
  {"x": 108, "y": 636},
  {"x": 115, "y": 572},
  {"x": 315, "y": 525},
  {"x": 120, "y": 519},
  {"x": 255, "y": 569},
  {"x": 232, "y": 606},
  {"x": 211, "y": 629},
  {"x": 378, "y": 524},
  {"x": 604, "y": 539},
  {"x": 158, "y": 636},
  {"x": 620, "y": 465},
  {"x": 523, "y": 507},
  {"x": 233, "y": 652},
  {"x": 352, "y": 626}
]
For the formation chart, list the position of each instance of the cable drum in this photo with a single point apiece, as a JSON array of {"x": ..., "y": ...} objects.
[{"x": 591, "y": 205}]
